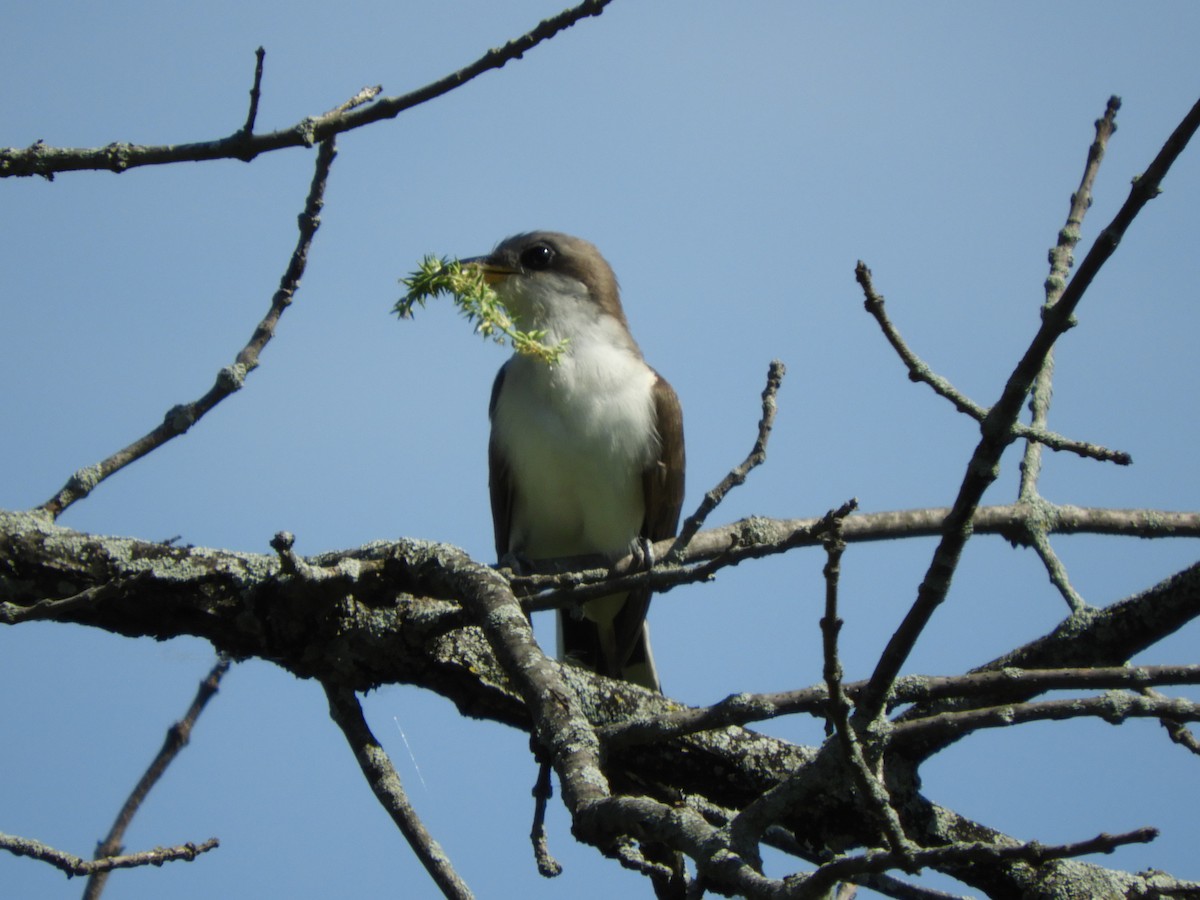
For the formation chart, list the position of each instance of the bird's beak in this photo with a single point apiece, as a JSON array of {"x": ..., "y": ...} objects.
[{"x": 492, "y": 273}]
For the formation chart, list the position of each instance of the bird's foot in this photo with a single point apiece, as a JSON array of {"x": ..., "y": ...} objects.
[
  {"x": 642, "y": 552},
  {"x": 517, "y": 563}
]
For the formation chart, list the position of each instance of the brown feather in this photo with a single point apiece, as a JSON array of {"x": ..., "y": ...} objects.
[
  {"x": 499, "y": 480},
  {"x": 662, "y": 492}
]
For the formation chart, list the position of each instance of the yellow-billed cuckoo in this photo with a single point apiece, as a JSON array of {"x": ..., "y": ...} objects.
[{"x": 586, "y": 455}]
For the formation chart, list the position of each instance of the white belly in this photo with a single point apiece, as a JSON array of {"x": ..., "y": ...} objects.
[{"x": 576, "y": 438}]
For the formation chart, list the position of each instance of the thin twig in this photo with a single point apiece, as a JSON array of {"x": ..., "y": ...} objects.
[
  {"x": 230, "y": 379},
  {"x": 77, "y": 865},
  {"x": 1176, "y": 728},
  {"x": 50, "y": 610},
  {"x": 255, "y": 92},
  {"x": 997, "y": 429},
  {"x": 576, "y": 579},
  {"x": 920, "y": 371},
  {"x": 39, "y": 159},
  {"x": 995, "y": 685},
  {"x": 737, "y": 475},
  {"x": 1062, "y": 258},
  {"x": 385, "y": 782},
  {"x": 365, "y": 95},
  {"x": 751, "y": 822},
  {"x": 873, "y": 793},
  {"x": 543, "y": 789},
  {"x": 978, "y": 852},
  {"x": 1056, "y": 570},
  {"x": 177, "y": 738},
  {"x": 1113, "y": 707}
]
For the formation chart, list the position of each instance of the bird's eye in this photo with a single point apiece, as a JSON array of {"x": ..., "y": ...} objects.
[{"x": 538, "y": 257}]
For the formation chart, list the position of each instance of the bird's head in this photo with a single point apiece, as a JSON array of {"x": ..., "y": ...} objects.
[{"x": 552, "y": 281}]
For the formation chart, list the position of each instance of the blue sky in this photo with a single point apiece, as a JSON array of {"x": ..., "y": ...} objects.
[{"x": 732, "y": 161}]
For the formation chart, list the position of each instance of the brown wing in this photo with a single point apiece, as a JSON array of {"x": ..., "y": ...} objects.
[
  {"x": 662, "y": 482},
  {"x": 662, "y": 490},
  {"x": 499, "y": 480}
]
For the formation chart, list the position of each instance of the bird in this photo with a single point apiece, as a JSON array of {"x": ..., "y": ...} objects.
[{"x": 586, "y": 455}]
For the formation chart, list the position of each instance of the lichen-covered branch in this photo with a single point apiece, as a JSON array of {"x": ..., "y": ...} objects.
[{"x": 393, "y": 613}]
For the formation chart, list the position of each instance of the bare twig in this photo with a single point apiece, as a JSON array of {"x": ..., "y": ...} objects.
[
  {"x": 1177, "y": 729},
  {"x": 1056, "y": 570},
  {"x": 1061, "y": 260},
  {"x": 1113, "y": 707},
  {"x": 230, "y": 379},
  {"x": 76, "y": 865},
  {"x": 978, "y": 852},
  {"x": 50, "y": 610},
  {"x": 997, "y": 427},
  {"x": 345, "y": 710},
  {"x": 177, "y": 738},
  {"x": 995, "y": 685},
  {"x": 872, "y": 791},
  {"x": 919, "y": 370},
  {"x": 577, "y": 579},
  {"x": 46, "y": 161},
  {"x": 547, "y": 865},
  {"x": 255, "y": 92},
  {"x": 736, "y": 476}
]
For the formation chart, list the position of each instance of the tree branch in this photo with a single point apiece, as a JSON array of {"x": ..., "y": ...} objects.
[
  {"x": 920, "y": 371},
  {"x": 993, "y": 686},
  {"x": 230, "y": 379},
  {"x": 737, "y": 476},
  {"x": 178, "y": 736},
  {"x": 390, "y": 613},
  {"x": 876, "y": 802},
  {"x": 1113, "y": 707},
  {"x": 76, "y": 865},
  {"x": 968, "y": 852},
  {"x": 577, "y": 579},
  {"x": 997, "y": 427},
  {"x": 385, "y": 782},
  {"x": 255, "y": 92},
  {"x": 244, "y": 145},
  {"x": 1062, "y": 258}
]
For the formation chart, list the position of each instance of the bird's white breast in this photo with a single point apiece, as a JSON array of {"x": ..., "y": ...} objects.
[{"x": 577, "y": 437}]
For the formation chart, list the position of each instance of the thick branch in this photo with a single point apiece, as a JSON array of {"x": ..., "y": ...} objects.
[
  {"x": 1090, "y": 638},
  {"x": 390, "y": 613}
]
